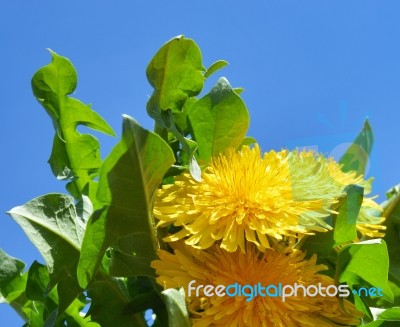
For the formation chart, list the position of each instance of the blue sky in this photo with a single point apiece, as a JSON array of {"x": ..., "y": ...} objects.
[{"x": 312, "y": 72}]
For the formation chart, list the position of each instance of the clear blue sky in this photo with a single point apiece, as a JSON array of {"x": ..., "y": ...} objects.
[{"x": 312, "y": 72}]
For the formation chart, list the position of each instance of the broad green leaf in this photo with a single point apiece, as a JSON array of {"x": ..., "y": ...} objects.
[
  {"x": 51, "y": 223},
  {"x": 394, "y": 287},
  {"x": 176, "y": 308},
  {"x": 345, "y": 222},
  {"x": 53, "y": 226},
  {"x": 391, "y": 314},
  {"x": 9, "y": 269},
  {"x": 110, "y": 303},
  {"x": 59, "y": 161},
  {"x": 357, "y": 155},
  {"x": 175, "y": 73},
  {"x": 74, "y": 155},
  {"x": 27, "y": 309},
  {"x": 126, "y": 265},
  {"x": 320, "y": 244},
  {"x": 37, "y": 290},
  {"x": 393, "y": 298},
  {"x": 391, "y": 210},
  {"x": 385, "y": 317},
  {"x": 68, "y": 290},
  {"x": 219, "y": 120},
  {"x": 361, "y": 305},
  {"x": 12, "y": 289},
  {"x": 364, "y": 262},
  {"x": 215, "y": 67},
  {"x": 14, "y": 292},
  {"x": 38, "y": 282},
  {"x": 128, "y": 178}
]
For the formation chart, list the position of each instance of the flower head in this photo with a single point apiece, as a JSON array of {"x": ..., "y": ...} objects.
[
  {"x": 315, "y": 176},
  {"x": 215, "y": 266},
  {"x": 243, "y": 196}
]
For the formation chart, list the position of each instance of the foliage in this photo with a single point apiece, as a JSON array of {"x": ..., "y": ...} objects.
[{"x": 98, "y": 241}]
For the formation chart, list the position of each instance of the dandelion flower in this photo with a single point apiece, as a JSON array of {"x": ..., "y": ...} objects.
[
  {"x": 315, "y": 176},
  {"x": 216, "y": 266},
  {"x": 242, "y": 196}
]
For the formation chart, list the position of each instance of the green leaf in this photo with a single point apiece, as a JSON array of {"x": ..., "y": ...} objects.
[
  {"x": 37, "y": 290},
  {"x": 9, "y": 269},
  {"x": 110, "y": 302},
  {"x": 68, "y": 290},
  {"x": 357, "y": 155},
  {"x": 128, "y": 179},
  {"x": 59, "y": 160},
  {"x": 364, "y": 262},
  {"x": 53, "y": 226},
  {"x": 394, "y": 287},
  {"x": 219, "y": 120},
  {"x": 38, "y": 282},
  {"x": 54, "y": 312},
  {"x": 320, "y": 244},
  {"x": 345, "y": 223},
  {"x": 361, "y": 305},
  {"x": 391, "y": 210},
  {"x": 392, "y": 314},
  {"x": 125, "y": 265},
  {"x": 27, "y": 309},
  {"x": 345, "y": 228},
  {"x": 51, "y": 223},
  {"x": 176, "y": 308},
  {"x": 74, "y": 155},
  {"x": 175, "y": 73},
  {"x": 215, "y": 67},
  {"x": 12, "y": 290},
  {"x": 385, "y": 317}
]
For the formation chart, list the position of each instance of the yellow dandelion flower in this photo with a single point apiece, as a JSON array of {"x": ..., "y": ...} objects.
[
  {"x": 215, "y": 267},
  {"x": 315, "y": 176},
  {"x": 242, "y": 196}
]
